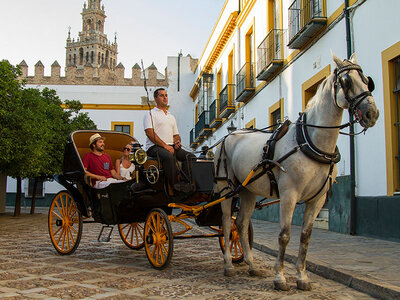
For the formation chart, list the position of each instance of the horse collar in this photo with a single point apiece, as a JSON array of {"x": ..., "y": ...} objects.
[{"x": 308, "y": 147}]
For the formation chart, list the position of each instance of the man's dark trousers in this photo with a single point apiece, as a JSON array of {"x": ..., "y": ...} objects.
[{"x": 168, "y": 161}]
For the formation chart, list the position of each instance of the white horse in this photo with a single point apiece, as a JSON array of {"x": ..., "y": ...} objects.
[{"x": 305, "y": 179}]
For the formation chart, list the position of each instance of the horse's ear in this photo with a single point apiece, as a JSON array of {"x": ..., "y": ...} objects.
[
  {"x": 338, "y": 62},
  {"x": 353, "y": 59}
]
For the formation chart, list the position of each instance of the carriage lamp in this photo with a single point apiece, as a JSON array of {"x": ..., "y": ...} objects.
[
  {"x": 206, "y": 153},
  {"x": 137, "y": 155},
  {"x": 210, "y": 155}
]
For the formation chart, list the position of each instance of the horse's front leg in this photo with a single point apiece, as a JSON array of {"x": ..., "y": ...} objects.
[
  {"x": 311, "y": 211},
  {"x": 287, "y": 205},
  {"x": 226, "y": 207},
  {"x": 247, "y": 204}
]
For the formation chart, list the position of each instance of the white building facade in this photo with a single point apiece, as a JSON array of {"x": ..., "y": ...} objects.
[{"x": 264, "y": 61}]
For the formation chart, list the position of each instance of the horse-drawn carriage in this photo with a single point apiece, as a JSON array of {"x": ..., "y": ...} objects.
[
  {"x": 143, "y": 208},
  {"x": 299, "y": 168}
]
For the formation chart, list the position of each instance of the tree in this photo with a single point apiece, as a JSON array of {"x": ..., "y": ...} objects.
[{"x": 33, "y": 129}]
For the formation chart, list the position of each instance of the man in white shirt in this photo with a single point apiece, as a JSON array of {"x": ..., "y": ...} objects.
[{"x": 163, "y": 140}]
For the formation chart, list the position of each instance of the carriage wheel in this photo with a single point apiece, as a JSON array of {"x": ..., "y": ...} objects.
[
  {"x": 234, "y": 242},
  {"x": 65, "y": 223},
  {"x": 158, "y": 239},
  {"x": 132, "y": 235}
]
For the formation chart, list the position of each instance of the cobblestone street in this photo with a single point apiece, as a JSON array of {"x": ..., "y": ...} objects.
[{"x": 31, "y": 268}]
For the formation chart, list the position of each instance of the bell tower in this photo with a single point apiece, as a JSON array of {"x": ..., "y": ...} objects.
[{"x": 92, "y": 48}]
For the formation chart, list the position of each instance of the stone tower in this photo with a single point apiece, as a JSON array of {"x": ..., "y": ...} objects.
[{"x": 92, "y": 48}]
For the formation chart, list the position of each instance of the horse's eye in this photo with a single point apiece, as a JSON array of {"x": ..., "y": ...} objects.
[
  {"x": 371, "y": 84},
  {"x": 345, "y": 81}
]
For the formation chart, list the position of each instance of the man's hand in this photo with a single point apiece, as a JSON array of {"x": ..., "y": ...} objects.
[
  {"x": 178, "y": 145},
  {"x": 101, "y": 178},
  {"x": 170, "y": 149}
]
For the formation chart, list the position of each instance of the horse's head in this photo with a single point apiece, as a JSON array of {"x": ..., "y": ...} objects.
[{"x": 352, "y": 91}]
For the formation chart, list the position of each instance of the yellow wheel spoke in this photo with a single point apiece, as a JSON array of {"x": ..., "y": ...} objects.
[
  {"x": 59, "y": 209},
  {"x": 73, "y": 211},
  {"x": 58, "y": 216},
  {"x": 72, "y": 238},
  {"x": 63, "y": 241},
  {"x": 74, "y": 229},
  {"x": 59, "y": 228},
  {"x": 127, "y": 234},
  {"x": 154, "y": 250},
  {"x": 67, "y": 234},
  {"x": 137, "y": 235},
  {"x": 61, "y": 234},
  {"x": 122, "y": 228},
  {"x": 62, "y": 205},
  {"x": 151, "y": 227},
  {"x": 164, "y": 249}
]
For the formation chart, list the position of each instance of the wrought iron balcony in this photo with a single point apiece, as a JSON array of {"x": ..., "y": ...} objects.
[
  {"x": 270, "y": 54},
  {"x": 227, "y": 101},
  {"x": 245, "y": 82},
  {"x": 202, "y": 128},
  {"x": 215, "y": 121},
  {"x": 306, "y": 18}
]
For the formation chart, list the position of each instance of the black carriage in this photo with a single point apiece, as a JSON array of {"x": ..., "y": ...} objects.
[{"x": 143, "y": 208}]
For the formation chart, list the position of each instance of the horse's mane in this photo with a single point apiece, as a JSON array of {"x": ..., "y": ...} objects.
[{"x": 317, "y": 97}]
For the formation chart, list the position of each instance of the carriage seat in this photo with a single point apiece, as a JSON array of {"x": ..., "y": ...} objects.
[{"x": 115, "y": 143}]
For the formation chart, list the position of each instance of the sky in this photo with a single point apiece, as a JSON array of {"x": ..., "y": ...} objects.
[{"x": 151, "y": 30}]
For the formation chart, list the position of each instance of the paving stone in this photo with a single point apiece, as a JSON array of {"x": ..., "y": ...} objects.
[{"x": 112, "y": 271}]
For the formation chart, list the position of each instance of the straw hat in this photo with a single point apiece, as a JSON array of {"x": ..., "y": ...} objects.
[{"x": 95, "y": 137}]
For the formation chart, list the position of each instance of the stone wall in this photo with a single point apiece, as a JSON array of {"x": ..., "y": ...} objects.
[{"x": 89, "y": 75}]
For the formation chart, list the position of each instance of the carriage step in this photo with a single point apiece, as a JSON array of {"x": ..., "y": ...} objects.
[{"x": 106, "y": 237}]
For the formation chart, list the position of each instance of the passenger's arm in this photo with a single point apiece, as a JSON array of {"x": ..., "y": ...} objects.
[
  {"x": 116, "y": 175},
  {"x": 156, "y": 140},
  {"x": 94, "y": 176},
  {"x": 117, "y": 165}
]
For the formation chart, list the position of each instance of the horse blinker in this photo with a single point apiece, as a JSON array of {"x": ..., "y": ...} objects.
[{"x": 371, "y": 84}]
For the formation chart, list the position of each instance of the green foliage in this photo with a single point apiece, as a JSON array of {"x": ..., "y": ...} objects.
[{"x": 34, "y": 127}]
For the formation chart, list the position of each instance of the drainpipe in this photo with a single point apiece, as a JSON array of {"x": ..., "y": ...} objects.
[
  {"x": 353, "y": 199},
  {"x": 179, "y": 68}
]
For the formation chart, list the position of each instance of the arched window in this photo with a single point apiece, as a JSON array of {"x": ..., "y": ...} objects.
[
  {"x": 92, "y": 57},
  {"x": 70, "y": 59},
  {"x": 98, "y": 59},
  {"x": 81, "y": 56},
  {"x": 107, "y": 57},
  {"x": 87, "y": 57},
  {"x": 74, "y": 59},
  {"x": 102, "y": 58}
]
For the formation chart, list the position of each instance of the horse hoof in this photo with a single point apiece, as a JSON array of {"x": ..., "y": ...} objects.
[
  {"x": 303, "y": 285},
  {"x": 281, "y": 286},
  {"x": 229, "y": 272},
  {"x": 256, "y": 273}
]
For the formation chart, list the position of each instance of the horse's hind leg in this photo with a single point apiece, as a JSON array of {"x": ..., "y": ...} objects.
[
  {"x": 226, "y": 226},
  {"x": 311, "y": 211},
  {"x": 287, "y": 206},
  {"x": 247, "y": 204}
]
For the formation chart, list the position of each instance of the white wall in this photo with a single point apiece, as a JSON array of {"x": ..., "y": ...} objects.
[{"x": 375, "y": 28}]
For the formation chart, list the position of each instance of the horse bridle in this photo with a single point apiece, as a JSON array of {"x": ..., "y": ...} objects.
[{"x": 345, "y": 83}]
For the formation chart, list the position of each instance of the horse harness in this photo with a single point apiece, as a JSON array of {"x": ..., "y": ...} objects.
[{"x": 304, "y": 142}]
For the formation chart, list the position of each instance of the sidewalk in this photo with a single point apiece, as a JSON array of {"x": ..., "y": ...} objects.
[{"x": 368, "y": 265}]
